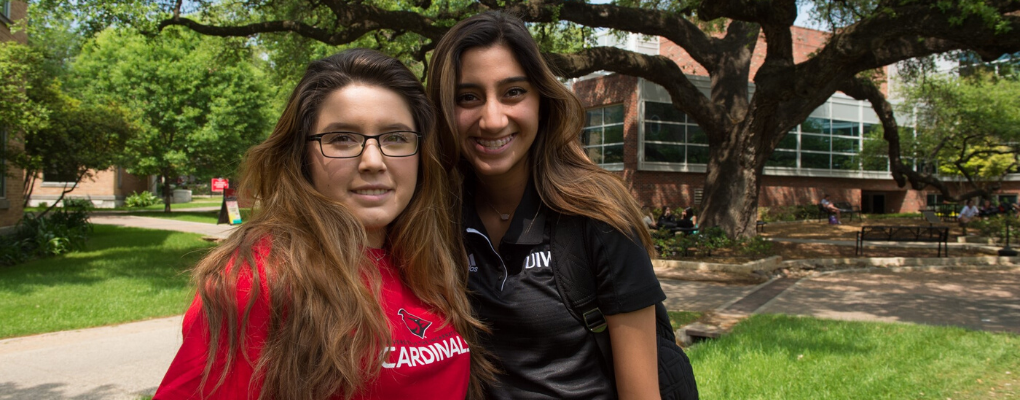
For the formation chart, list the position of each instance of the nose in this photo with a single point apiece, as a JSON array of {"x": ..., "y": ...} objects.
[
  {"x": 371, "y": 157},
  {"x": 494, "y": 117}
]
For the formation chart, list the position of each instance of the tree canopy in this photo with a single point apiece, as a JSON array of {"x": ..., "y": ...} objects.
[
  {"x": 743, "y": 128},
  {"x": 200, "y": 102}
]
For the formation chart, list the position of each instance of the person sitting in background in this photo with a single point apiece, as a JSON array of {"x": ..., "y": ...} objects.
[
  {"x": 967, "y": 213},
  {"x": 687, "y": 219},
  {"x": 647, "y": 217},
  {"x": 988, "y": 209},
  {"x": 667, "y": 219},
  {"x": 829, "y": 207}
]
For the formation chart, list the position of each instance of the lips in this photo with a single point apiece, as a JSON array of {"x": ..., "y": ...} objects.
[
  {"x": 495, "y": 144},
  {"x": 371, "y": 190}
]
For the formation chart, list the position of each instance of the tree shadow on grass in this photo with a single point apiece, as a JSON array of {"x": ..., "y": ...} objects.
[{"x": 161, "y": 259}]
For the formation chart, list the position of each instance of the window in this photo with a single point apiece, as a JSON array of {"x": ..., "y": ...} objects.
[
  {"x": 603, "y": 134},
  {"x": 670, "y": 136},
  {"x": 5, "y": 11},
  {"x": 59, "y": 174}
]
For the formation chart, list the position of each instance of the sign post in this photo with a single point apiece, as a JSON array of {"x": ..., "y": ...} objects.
[{"x": 229, "y": 212}]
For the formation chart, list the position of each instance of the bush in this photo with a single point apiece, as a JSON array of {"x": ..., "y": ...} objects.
[
  {"x": 61, "y": 231},
  {"x": 788, "y": 213},
  {"x": 143, "y": 199},
  {"x": 995, "y": 227}
]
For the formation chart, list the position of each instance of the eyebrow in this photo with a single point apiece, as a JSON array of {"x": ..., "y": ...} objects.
[
  {"x": 342, "y": 126},
  {"x": 512, "y": 79}
]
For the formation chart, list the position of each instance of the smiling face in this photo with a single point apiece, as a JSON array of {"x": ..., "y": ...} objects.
[
  {"x": 496, "y": 109},
  {"x": 376, "y": 188}
]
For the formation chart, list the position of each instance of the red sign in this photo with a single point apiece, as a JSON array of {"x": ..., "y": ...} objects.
[{"x": 218, "y": 184}]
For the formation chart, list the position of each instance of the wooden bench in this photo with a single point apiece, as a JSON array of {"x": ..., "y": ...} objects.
[{"x": 929, "y": 234}]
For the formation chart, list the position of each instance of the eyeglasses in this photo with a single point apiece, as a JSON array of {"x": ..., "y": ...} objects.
[{"x": 351, "y": 144}]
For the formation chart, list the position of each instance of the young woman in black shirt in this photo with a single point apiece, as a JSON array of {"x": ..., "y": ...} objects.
[{"x": 513, "y": 130}]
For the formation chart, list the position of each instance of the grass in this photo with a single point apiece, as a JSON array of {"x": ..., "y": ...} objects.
[
  {"x": 125, "y": 274},
  {"x": 785, "y": 357},
  {"x": 681, "y": 318}
]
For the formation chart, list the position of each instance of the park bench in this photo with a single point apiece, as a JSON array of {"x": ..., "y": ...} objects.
[
  {"x": 929, "y": 234},
  {"x": 824, "y": 214},
  {"x": 845, "y": 208}
]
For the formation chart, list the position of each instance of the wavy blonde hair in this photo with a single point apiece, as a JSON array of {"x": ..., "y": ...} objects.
[
  {"x": 327, "y": 330},
  {"x": 565, "y": 178}
]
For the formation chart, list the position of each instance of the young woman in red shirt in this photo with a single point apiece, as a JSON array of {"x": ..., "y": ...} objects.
[{"x": 347, "y": 281}]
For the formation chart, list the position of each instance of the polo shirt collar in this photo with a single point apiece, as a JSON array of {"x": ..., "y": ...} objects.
[{"x": 528, "y": 224}]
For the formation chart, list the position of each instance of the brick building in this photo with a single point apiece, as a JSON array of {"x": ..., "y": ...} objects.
[
  {"x": 106, "y": 189},
  {"x": 632, "y": 128},
  {"x": 11, "y": 186}
]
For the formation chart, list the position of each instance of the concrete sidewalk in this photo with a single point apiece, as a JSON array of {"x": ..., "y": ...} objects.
[
  {"x": 111, "y": 362},
  {"x": 210, "y": 230}
]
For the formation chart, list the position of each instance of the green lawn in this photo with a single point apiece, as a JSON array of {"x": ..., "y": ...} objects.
[
  {"x": 783, "y": 357},
  {"x": 124, "y": 275}
]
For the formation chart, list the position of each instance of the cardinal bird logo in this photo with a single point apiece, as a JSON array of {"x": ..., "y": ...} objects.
[{"x": 414, "y": 323}]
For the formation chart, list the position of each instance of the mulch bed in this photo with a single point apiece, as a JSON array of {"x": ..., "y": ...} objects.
[{"x": 821, "y": 230}]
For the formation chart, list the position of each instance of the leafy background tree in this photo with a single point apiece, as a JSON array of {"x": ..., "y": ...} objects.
[
  {"x": 743, "y": 128},
  {"x": 964, "y": 128},
  {"x": 200, "y": 101}
]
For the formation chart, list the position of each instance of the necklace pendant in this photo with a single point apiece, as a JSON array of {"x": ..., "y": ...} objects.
[{"x": 504, "y": 217}]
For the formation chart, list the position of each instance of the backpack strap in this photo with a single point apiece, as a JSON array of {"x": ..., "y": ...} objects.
[{"x": 575, "y": 279}]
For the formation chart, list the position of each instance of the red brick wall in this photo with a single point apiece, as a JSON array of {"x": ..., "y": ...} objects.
[
  {"x": 102, "y": 186},
  {"x": 18, "y": 11}
]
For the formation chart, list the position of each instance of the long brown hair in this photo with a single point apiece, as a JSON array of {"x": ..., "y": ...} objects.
[
  {"x": 567, "y": 181},
  {"x": 327, "y": 329}
]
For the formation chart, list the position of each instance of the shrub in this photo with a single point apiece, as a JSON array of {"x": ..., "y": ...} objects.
[
  {"x": 61, "y": 231},
  {"x": 143, "y": 199},
  {"x": 995, "y": 227},
  {"x": 755, "y": 247}
]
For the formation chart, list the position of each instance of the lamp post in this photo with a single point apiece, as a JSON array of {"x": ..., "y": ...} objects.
[{"x": 1007, "y": 251}]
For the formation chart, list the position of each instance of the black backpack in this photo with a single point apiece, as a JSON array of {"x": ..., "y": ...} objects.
[{"x": 575, "y": 281}]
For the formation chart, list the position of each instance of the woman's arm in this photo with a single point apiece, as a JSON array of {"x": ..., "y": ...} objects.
[{"x": 635, "y": 362}]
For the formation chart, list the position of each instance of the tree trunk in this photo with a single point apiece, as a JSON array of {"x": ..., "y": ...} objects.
[
  {"x": 167, "y": 194},
  {"x": 732, "y": 183}
]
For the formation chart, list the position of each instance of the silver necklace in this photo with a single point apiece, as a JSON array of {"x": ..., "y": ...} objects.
[{"x": 504, "y": 217}]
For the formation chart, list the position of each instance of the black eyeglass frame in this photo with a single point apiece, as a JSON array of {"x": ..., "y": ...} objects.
[{"x": 318, "y": 138}]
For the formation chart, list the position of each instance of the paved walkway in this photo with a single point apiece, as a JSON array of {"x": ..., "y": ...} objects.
[
  {"x": 211, "y": 230},
  {"x": 129, "y": 360}
]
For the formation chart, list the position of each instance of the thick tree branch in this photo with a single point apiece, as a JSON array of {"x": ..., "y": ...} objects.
[
  {"x": 675, "y": 27},
  {"x": 658, "y": 69},
  {"x": 777, "y": 12},
  {"x": 353, "y": 20}
]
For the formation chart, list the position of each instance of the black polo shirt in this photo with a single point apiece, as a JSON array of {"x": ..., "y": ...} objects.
[{"x": 544, "y": 352}]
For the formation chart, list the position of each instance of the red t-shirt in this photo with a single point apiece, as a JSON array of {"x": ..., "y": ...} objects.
[{"x": 427, "y": 359}]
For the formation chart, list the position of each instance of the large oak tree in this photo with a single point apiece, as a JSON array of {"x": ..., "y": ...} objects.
[{"x": 743, "y": 128}]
